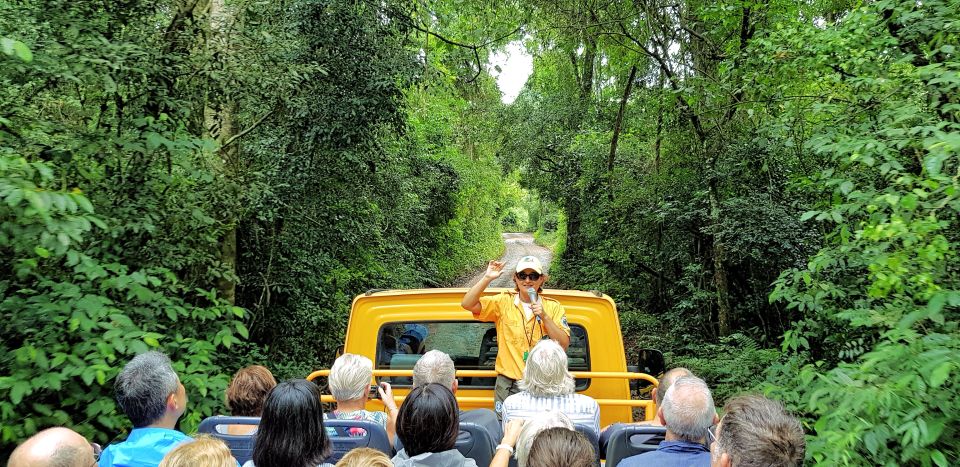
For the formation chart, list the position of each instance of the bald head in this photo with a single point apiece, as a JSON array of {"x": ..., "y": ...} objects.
[
  {"x": 668, "y": 379},
  {"x": 53, "y": 447}
]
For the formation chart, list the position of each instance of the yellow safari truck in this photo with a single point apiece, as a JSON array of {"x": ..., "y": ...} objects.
[{"x": 395, "y": 327}]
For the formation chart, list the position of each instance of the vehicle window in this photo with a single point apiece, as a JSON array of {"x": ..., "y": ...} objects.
[{"x": 471, "y": 344}]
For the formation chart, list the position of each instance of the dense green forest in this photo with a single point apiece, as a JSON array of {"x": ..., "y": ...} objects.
[{"x": 770, "y": 190}]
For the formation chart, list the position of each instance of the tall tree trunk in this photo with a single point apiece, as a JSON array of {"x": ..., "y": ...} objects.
[
  {"x": 616, "y": 131},
  {"x": 720, "y": 281},
  {"x": 219, "y": 123}
]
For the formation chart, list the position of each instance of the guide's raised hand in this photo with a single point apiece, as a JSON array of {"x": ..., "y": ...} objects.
[{"x": 494, "y": 269}]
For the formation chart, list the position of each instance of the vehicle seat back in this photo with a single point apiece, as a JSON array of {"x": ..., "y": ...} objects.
[
  {"x": 344, "y": 439},
  {"x": 594, "y": 439},
  {"x": 240, "y": 445},
  {"x": 630, "y": 440}
]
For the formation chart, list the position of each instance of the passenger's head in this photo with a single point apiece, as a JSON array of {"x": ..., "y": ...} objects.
[
  {"x": 667, "y": 380},
  {"x": 248, "y": 389},
  {"x": 291, "y": 432},
  {"x": 435, "y": 367},
  {"x": 204, "y": 450},
  {"x": 350, "y": 377},
  {"x": 688, "y": 409},
  {"x": 533, "y": 427},
  {"x": 429, "y": 420},
  {"x": 546, "y": 371},
  {"x": 364, "y": 457},
  {"x": 529, "y": 273},
  {"x": 149, "y": 391},
  {"x": 53, "y": 447},
  {"x": 756, "y": 431},
  {"x": 560, "y": 447}
]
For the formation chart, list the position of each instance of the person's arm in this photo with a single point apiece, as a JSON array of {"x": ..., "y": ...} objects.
[
  {"x": 510, "y": 436},
  {"x": 386, "y": 395},
  {"x": 471, "y": 300},
  {"x": 553, "y": 329}
]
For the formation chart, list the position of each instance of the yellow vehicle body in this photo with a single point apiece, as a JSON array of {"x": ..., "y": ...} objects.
[{"x": 606, "y": 380}]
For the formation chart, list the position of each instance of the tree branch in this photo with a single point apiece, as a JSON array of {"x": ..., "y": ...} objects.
[{"x": 250, "y": 128}]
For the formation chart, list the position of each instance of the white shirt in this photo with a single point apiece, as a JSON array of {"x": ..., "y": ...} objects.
[{"x": 581, "y": 409}]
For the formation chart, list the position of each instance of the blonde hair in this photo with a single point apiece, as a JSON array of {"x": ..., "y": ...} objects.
[
  {"x": 365, "y": 457},
  {"x": 350, "y": 377},
  {"x": 533, "y": 427},
  {"x": 204, "y": 450}
]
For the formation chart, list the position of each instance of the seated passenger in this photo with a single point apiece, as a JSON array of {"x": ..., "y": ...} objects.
[
  {"x": 55, "y": 447},
  {"x": 245, "y": 395},
  {"x": 150, "y": 394},
  {"x": 560, "y": 447},
  {"x": 437, "y": 367},
  {"x": 349, "y": 381},
  {"x": 205, "y": 451},
  {"x": 687, "y": 412},
  {"x": 364, "y": 457},
  {"x": 657, "y": 394},
  {"x": 518, "y": 436},
  {"x": 291, "y": 432},
  {"x": 547, "y": 384},
  {"x": 757, "y": 431},
  {"x": 428, "y": 425}
]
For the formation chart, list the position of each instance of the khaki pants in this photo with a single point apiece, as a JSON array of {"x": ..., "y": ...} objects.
[{"x": 503, "y": 388}]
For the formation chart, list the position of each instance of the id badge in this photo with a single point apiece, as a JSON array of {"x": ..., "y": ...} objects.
[{"x": 525, "y": 353}]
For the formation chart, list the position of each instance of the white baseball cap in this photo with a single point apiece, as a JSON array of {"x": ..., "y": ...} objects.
[{"x": 530, "y": 262}]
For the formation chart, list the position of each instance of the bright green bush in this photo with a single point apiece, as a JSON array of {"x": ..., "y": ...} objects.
[{"x": 70, "y": 321}]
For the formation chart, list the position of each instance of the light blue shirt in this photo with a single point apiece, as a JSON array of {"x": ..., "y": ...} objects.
[
  {"x": 672, "y": 454},
  {"x": 144, "y": 447}
]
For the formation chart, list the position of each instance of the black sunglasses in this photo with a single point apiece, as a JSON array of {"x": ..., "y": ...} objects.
[{"x": 534, "y": 276}]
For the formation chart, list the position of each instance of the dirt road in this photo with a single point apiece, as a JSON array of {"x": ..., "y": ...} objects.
[
  {"x": 465, "y": 340},
  {"x": 518, "y": 246}
]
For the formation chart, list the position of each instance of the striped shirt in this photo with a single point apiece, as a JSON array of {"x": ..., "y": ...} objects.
[{"x": 581, "y": 409}]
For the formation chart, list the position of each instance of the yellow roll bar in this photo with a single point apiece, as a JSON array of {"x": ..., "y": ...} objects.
[{"x": 647, "y": 405}]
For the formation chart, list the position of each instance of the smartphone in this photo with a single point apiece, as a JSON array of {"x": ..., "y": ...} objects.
[{"x": 374, "y": 394}]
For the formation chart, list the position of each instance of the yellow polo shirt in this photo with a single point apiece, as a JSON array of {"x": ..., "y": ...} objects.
[{"x": 515, "y": 333}]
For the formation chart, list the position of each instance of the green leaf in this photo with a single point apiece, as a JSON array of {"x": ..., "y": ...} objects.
[
  {"x": 940, "y": 374},
  {"x": 242, "y": 330},
  {"x": 22, "y": 51},
  {"x": 41, "y": 251},
  {"x": 151, "y": 341},
  {"x": 19, "y": 389},
  {"x": 938, "y": 458}
]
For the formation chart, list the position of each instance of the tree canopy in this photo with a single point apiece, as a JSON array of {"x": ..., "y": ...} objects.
[{"x": 769, "y": 190}]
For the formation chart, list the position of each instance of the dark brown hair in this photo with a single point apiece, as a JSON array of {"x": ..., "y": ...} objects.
[
  {"x": 561, "y": 447},
  {"x": 756, "y": 431},
  {"x": 429, "y": 420},
  {"x": 248, "y": 389}
]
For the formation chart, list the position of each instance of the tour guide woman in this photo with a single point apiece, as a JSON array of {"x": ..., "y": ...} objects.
[{"x": 520, "y": 324}]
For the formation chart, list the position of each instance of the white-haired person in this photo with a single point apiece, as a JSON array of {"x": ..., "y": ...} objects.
[
  {"x": 349, "y": 381},
  {"x": 437, "y": 367},
  {"x": 547, "y": 385},
  {"x": 519, "y": 434},
  {"x": 688, "y": 413},
  {"x": 520, "y": 320}
]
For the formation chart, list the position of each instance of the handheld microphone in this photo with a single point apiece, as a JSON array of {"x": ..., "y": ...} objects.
[{"x": 532, "y": 293}]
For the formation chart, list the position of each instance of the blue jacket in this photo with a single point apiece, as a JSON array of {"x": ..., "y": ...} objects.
[
  {"x": 144, "y": 447},
  {"x": 671, "y": 454}
]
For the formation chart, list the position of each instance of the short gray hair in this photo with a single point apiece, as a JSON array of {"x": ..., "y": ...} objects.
[
  {"x": 546, "y": 371},
  {"x": 350, "y": 377},
  {"x": 688, "y": 409},
  {"x": 533, "y": 427},
  {"x": 143, "y": 387},
  {"x": 434, "y": 367},
  {"x": 756, "y": 431}
]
